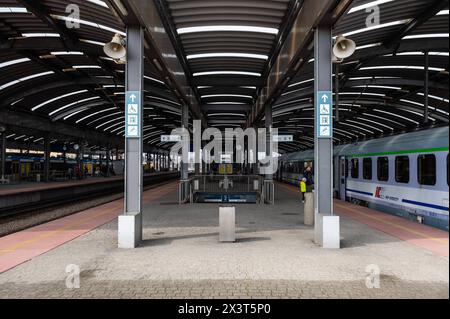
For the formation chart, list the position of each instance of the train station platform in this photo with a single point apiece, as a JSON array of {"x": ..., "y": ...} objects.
[
  {"x": 180, "y": 257},
  {"x": 15, "y": 196}
]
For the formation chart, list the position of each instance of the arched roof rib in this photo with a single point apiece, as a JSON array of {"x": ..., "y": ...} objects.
[
  {"x": 382, "y": 85},
  {"x": 62, "y": 74}
]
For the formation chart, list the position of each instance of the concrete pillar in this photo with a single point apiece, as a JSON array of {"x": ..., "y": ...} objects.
[
  {"x": 184, "y": 124},
  {"x": 108, "y": 153},
  {"x": 81, "y": 158},
  {"x": 326, "y": 225},
  {"x": 309, "y": 209},
  {"x": 427, "y": 88},
  {"x": 336, "y": 90},
  {"x": 268, "y": 178},
  {"x": 130, "y": 223},
  {"x": 256, "y": 163},
  {"x": 47, "y": 152}
]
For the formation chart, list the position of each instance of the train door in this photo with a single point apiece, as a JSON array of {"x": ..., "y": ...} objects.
[{"x": 343, "y": 172}]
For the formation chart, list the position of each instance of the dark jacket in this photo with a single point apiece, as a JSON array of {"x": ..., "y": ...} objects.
[{"x": 309, "y": 177}]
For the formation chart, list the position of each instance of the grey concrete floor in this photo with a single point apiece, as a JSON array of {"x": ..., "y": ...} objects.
[{"x": 274, "y": 257}]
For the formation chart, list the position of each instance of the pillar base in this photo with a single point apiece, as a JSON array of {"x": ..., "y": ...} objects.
[
  {"x": 227, "y": 221},
  {"x": 309, "y": 209},
  {"x": 130, "y": 230},
  {"x": 327, "y": 231}
]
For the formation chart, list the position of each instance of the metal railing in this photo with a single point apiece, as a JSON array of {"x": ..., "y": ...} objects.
[
  {"x": 227, "y": 184},
  {"x": 268, "y": 193}
]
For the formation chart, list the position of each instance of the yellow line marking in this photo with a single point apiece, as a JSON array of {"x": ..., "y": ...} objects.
[
  {"x": 442, "y": 241},
  {"x": 59, "y": 230}
]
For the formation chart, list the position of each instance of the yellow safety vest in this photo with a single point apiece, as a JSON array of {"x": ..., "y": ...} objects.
[{"x": 303, "y": 187}]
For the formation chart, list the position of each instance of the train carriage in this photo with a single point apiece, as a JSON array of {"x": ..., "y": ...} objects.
[{"x": 406, "y": 175}]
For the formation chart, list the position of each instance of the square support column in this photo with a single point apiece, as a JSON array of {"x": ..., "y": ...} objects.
[
  {"x": 47, "y": 154},
  {"x": 184, "y": 190},
  {"x": 269, "y": 188},
  {"x": 326, "y": 226},
  {"x": 3, "y": 159},
  {"x": 130, "y": 224}
]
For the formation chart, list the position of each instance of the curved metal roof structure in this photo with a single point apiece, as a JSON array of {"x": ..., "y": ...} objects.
[
  {"x": 50, "y": 71},
  {"x": 382, "y": 85},
  {"x": 53, "y": 74}
]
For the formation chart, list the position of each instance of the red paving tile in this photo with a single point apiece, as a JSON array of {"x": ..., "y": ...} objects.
[
  {"x": 426, "y": 237},
  {"x": 22, "y": 246}
]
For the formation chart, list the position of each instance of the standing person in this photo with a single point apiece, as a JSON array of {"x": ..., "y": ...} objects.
[
  {"x": 303, "y": 189},
  {"x": 309, "y": 178}
]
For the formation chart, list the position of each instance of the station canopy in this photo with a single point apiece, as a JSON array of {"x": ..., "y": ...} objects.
[{"x": 52, "y": 73}]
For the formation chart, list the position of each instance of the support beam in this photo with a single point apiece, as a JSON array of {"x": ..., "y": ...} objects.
[
  {"x": 336, "y": 90},
  {"x": 47, "y": 152},
  {"x": 130, "y": 224},
  {"x": 184, "y": 124},
  {"x": 426, "y": 87},
  {"x": 323, "y": 153},
  {"x": 108, "y": 155},
  {"x": 268, "y": 178}
]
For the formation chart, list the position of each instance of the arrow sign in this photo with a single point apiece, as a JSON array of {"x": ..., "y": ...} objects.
[
  {"x": 133, "y": 109},
  {"x": 324, "y": 114}
]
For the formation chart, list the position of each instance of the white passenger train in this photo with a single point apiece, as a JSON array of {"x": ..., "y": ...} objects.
[{"x": 406, "y": 175}]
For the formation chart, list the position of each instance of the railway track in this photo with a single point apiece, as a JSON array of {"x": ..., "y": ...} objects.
[{"x": 11, "y": 212}]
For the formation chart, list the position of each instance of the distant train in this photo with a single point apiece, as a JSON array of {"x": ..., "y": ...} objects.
[
  {"x": 19, "y": 167},
  {"x": 406, "y": 175}
]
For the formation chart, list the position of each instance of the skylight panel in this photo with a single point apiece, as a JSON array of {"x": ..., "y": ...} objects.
[
  {"x": 99, "y": 2},
  {"x": 228, "y": 28},
  {"x": 227, "y": 73},
  {"x": 368, "y": 5},
  {"x": 376, "y": 27},
  {"x": 56, "y": 99},
  {"x": 13, "y": 62},
  {"x": 4, "y": 86},
  {"x": 228, "y": 55},
  {"x": 13, "y": 10}
]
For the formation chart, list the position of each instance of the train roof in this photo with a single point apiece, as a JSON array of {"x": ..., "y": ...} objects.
[{"x": 436, "y": 139}]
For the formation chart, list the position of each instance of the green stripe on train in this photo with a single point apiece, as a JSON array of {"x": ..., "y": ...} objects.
[{"x": 425, "y": 150}]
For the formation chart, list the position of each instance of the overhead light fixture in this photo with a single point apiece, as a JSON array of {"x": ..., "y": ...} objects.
[
  {"x": 227, "y": 28},
  {"x": 116, "y": 48},
  {"x": 227, "y": 73},
  {"x": 228, "y": 55}
]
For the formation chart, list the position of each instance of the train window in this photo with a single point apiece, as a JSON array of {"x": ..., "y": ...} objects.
[
  {"x": 355, "y": 168},
  {"x": 383, "y": 169},
  {"x": 426, "y": 169},
  {"x": 367, "y": 168},
  {"x": 402, "y": 169}
]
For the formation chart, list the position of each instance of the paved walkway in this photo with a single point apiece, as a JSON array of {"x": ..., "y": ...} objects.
[{"x": 274, "y": 257}]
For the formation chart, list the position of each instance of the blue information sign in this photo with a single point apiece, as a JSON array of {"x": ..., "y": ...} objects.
[
  {"x": 324, "y": 102},
  {"x": 133, "y": 114}
]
